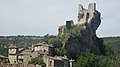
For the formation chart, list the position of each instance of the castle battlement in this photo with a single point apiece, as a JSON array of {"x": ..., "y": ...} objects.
[
  {"x": 84, "y": 15},
  {"x": 90, "y": 17}
]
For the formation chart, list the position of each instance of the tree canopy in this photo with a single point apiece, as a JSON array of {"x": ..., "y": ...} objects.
[{"x": 36, "y": 60}]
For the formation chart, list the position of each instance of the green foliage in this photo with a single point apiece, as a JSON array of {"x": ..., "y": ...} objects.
[
  {"x": 21, "y": 42},
  {"x": 46, "y": 38},
  {"x": 36, "y": 60},
  {"x": 103, "y": 61},
  {"x": 4, "y": 51},
  {"x": 85, "y": 60},
  {"x": 113, "y": 43},
  {"x": 110, "y": 59},
  {"x": 55, "y": 42},
  {"x": 75, "y": 30},
  {"x": 91, "y": 60},
  {"x": 113, "y": 50},
  {"x": 58, "y": 43},
  {"x": 61, "y": 51}
]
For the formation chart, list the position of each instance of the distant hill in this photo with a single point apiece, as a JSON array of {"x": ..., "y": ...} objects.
[
  {"x": 113, "y": 43},
  {"x": 21, "y": 42},
  {"x": 26, "y": 41},
  {"x": 112, "y": 47}
]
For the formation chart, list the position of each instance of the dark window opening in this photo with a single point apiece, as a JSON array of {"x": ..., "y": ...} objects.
[{"x": 87, "y": 17}]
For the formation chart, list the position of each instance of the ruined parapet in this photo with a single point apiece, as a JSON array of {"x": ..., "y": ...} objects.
[
  {"x": 61, "y": 30},
  {"x": 84, "y": 15},
  {"x": 66, "y": 27},
  {"x": 82, "y": 37},
  {"x": 89, "y": 16},
  {"x": 69, "y": 24},
  {"x": 92, "y": 7}
]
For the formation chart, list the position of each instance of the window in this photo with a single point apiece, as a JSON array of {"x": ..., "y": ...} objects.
[
  {"x": 30, "y": 55},
  {"x": 15, "y": 61},
  {"x": 87, "y": 17},
  {"x": 51, "y": 63}
]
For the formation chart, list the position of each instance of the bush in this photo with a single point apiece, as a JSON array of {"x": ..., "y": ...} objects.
[
  {"x": 36, "y": 60},
  {"x": 85, "y": 60},
  {"x": 91, "y": 60},
  {"x": 55, "y": 42}
]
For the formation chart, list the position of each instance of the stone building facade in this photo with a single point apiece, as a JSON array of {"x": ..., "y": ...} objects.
[
  {"x": 13, "y": 54},
  {"x": 57, "y": 61},
  {"x": 42, "y": 47},
  {"x": 84, "y": 15},
  {"x": 21, "y": 55},
  {"x": 3, "y": 59},
  {"x": 66, "y": 27}
]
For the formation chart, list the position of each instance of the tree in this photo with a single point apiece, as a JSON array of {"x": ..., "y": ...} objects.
[
  {"x": 85, "y": 60},
  {"x": 103, "y": 61},
  {"x": 46, "y": 38},
  {"x": 91, "y": 60},
  {"x": 55, "y": 42},
  {"x": 36, "y": 60}
]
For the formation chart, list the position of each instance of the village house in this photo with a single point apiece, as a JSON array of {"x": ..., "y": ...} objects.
[
  {"x": 57, "y": 61},
  {"x": 22, "y": 55},
  {"x": 42, "y": 50},
  {"x": 3, "y": 59}
]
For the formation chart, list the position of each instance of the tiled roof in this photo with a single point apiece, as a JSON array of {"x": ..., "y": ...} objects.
[
  {"x": 42, "y": 44},
  {"x": 13, "y": 46},
  {"x": 58, "y": 58},
  {"x": 26, "y": 52}
]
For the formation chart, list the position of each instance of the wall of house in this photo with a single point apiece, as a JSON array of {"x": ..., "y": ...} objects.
[
  {"x": 13, "y": 59},
  {"x": 55, "y": 62},
  {"x": 26, "y": 59},
  {"x": 41, "y": 48},
  {"x": 4, "y": 60}
]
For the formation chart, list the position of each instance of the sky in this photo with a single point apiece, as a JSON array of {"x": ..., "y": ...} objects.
[{"x": 41, "y": 17}]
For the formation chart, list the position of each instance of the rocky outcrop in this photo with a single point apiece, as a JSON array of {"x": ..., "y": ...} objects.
[{"x": 82, "y": 36}]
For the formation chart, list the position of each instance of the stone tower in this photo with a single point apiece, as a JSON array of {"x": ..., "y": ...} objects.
[
  {"x": 84, "y": 15},
  {"x": 65, "y": 28},
  {"x": 85, "y": 39},
  {"x": 69, "y": 24},
  {"x": 13, "y": 54},
  {"x": 89, "y": 16}
]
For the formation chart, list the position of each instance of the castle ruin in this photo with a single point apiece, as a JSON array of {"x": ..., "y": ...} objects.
[
  {"x": 88, "y": 16},
  {"x": 81, "y": 37}
]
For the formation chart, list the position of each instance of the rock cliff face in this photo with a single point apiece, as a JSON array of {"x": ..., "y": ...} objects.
[{"x": 82, "y": 36}]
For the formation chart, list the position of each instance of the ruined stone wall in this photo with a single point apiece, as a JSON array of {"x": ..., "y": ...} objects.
[
  {"x": 84, "y": 39},
  {"x": 85, "y": 15},
  {"x": 65, "y": 28},
  {"x": 69, "y": 24}
]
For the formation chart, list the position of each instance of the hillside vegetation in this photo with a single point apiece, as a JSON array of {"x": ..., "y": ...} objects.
[
  {"x": 21, "y": 42},
  {"x": 110, "y": 59}
]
